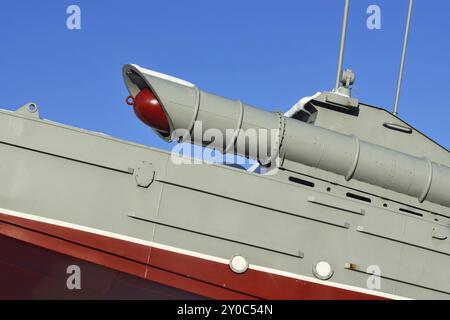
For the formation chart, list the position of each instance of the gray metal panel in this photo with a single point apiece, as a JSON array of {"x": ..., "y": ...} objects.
[
  {"x": 369, "y": 126},
  {"x": 84, "y": 178},
  {"x": 344, "y": 154}
]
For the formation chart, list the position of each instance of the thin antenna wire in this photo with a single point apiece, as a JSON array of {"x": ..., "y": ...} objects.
[
  {"x": 402, "y": 63},
  {"x": 341, "y": 50}
]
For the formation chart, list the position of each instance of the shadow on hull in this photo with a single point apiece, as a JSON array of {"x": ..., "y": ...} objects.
[{"x": 31, "y": 272}]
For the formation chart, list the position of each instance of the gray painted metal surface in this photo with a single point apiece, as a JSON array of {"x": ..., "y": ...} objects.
[
  {"x": 347, "y": 155},
  {"x": 305, "y": 213}
]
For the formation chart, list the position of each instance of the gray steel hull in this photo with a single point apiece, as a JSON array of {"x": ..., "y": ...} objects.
[{"x": 64, "y": 176}]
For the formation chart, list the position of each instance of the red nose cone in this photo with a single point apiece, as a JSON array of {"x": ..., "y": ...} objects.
[{"x": 149, "y": 110}]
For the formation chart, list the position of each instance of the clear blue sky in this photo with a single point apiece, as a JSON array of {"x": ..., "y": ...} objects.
[{"x": 266, "y": 53}]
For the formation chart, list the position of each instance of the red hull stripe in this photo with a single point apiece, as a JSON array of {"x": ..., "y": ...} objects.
[{"x": 196, "y": 274}]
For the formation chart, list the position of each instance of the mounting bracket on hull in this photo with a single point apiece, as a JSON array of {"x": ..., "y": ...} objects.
[
  {"x": 144, "y": 174},
  {"x": 30, "y": 110},
  {"x": 439, "y": 234}
]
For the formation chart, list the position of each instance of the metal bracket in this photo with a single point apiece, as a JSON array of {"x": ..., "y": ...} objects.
[
  {"x": 337, "y": 102},
  {"x": 30, "y": 110},
  {"x": 398, "y": 127},
  {"x": 144, "y": 174},
  {"x": 341, "y": 100},
  {"x": 438, "y": 234}
]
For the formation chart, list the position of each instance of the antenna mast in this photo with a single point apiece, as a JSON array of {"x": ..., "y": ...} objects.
[
  {"x": 341, "y": 50},
  {"x": 402, "y": 63}
]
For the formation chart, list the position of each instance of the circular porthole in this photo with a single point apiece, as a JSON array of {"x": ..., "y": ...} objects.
[
  {"x": 323, "y": 270},
  {"x": 32, "y": 108},
  {"x": 238, "y": 264}
]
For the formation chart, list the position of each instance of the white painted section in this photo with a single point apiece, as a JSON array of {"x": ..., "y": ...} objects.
[
  {"x": 323, "y": 269},
  {"x": 196, "y": 254},
  {"x": 239, "y": 264},
  {"x": 300, "y": 105},
  {"x": 163, "y": 76}
]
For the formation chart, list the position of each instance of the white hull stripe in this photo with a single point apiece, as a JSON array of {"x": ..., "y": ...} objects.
[{"x": 198, "y": 255}]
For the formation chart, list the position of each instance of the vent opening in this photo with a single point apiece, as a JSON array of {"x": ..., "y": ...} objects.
[
  {"x": 358, "y": 197},
  {"x": 302, "y": 182},
  {"x": 410, "y": 212}
]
